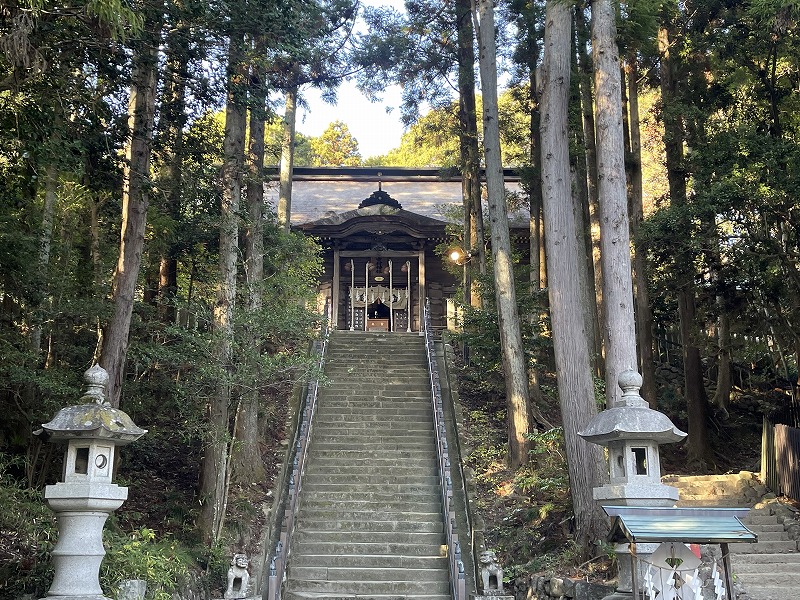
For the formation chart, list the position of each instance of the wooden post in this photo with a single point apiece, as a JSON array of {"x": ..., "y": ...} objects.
[
  {"x": 334, "y": 313},
  {"x": 391, "y": 298},
  {"x": 421, "y": 287}
]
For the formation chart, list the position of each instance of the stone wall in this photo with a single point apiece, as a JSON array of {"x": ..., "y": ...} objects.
[{"x": 551, "y": 587}]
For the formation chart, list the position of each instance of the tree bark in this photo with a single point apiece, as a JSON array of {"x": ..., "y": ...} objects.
[
  {"x": 174, "y": 115},
  {"x": 287, "y": 159},
  {"x": 468, "y": 143},
  {"x": 722, "y": 395},
  {"x": 644, "y": 315},
  {"x": 135, "y": 198},
  {"x": 214, "y": 467},
  {"x": 45, "y": 242},
  {"x": 590, "y": 144},
  {"x": 698, "y": 443},
  {"x": 575, "y": 387},
  {"x": 247, "y": 464},
  {"x": 514, "y": 360},
  {"x": 620, "y": 331},
  {"x": 580, "y": 186}
]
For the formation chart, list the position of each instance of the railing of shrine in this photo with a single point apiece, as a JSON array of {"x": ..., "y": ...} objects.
[
  {"x": 458, "y": 582},
  {"x": 280, "y": 553}
]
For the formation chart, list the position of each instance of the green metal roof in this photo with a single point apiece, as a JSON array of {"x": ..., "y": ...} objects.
[{"x": 635, "y": 524}]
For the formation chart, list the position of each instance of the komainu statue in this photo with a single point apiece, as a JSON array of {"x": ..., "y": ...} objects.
[
  {"x": 491, "y": 573},
  {"x": 238, "y": 577}
]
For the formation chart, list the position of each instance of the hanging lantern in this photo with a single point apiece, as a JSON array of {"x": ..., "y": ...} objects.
[{"x": 348, "y": 267}]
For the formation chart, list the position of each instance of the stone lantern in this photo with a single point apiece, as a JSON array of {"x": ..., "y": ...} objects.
[
  {"x": 86, "y": 496},
  {"x": 632, "y": 432}
]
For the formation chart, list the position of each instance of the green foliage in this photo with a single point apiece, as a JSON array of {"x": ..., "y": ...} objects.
[
  {"x": 27, "y": 533},
  {"x": 273, "y": 136},
  {"x": 163, "y": 563},
  {"x": 335, "y": 147}
]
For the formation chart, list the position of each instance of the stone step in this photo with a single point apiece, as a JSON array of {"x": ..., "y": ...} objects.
[
  {"x": 393, "y": 561},
  {"x": 328, "y": 415},
  {"x": 765, "y": 548},
  {"x": 761, "y": 520},
  {"x": 353, "y": 503},
  {"x": 764, "y": 558},
  {"x": 336, "y": 522},
  {"x": 771, "y": 536},
  {"x": 403, "y": 428},
  {"x": 366, "y": 483},
  {"x": 370, "y": 588},
  {"x": 392, "y": 518},
  {"x": 367, "y": 392},
  {"x": 385, "y": 495},
  {"x": 367, "y": 537},
  {"x": 358, "y": 452},
  {"x": 379, "y": 407},
  {"x": 301, "y": 595},
  {"x": 349, "y": 364},
  {"x": 386, "y": 468},
  {"x": 762, "y": 570},
  {"x": 768, "y": 591},
  {"x": 363, "y": 460},
  {"x": 759, "y": 529},
  {"x": 327, "y": 573},
  {"x": 339, "y": 547},
  {"x": 374, "y": 503},
  {"x": 386, "y": 440}
]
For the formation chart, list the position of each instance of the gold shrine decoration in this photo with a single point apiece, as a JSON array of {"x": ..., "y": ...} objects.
[{"x": 399, "y": 296}]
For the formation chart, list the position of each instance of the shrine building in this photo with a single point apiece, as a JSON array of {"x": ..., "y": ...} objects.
[{"x": 379, "y": 228}]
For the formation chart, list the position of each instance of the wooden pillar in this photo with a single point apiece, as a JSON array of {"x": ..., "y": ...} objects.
[
  {"x": 334, "y": 316},
  {"x": 421, "y": 287}
]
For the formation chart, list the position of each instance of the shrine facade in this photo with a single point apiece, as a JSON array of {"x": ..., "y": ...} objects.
[{"x": 380, "y": 265}]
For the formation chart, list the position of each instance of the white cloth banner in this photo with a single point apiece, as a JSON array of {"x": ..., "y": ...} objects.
[{"x": 399, "y": 298}]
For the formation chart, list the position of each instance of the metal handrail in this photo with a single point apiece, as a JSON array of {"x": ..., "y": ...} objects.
[
  {"x": 280, "y": 554},
  {"x": 458, "y": 582}
]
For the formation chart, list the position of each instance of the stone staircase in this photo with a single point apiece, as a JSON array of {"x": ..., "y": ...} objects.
[
  {"x": 770, "y": 568},
  {"x": 370, "y": 518}
]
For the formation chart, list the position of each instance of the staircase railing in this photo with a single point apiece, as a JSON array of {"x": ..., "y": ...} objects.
[
  {"x": 458, "y": 582},
  {"x": 280, "y": 554}
]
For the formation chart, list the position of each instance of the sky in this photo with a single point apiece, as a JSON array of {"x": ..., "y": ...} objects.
[{"x": 376, "y": 130}]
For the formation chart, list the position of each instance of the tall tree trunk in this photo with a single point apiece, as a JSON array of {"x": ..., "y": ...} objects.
[
  {"x": 45, "y": 242},
  {"x": 722, "y": 395},
  {"x": 575, "y": 386},
  {"x": 469, "y": 150},
  {"x": 590, "y": 144},
  {"x": 135, "y": 198},
  {"x": 247, "y": 464},
  {"x": 620, "y": 331},
  {"x": 535, "y": 396},
  {"x": 174, "y": 115},
  {"x": 580, "y": 185},
  {"x": 287, "y": 159},
  {"x": 698, "y": 444},
  {"x": 514, "y": 360},
  {"x": 214, "y": 467},
  {"x": 644, "y": 315}
]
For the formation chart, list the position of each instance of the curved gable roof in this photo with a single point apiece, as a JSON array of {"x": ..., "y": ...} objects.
[{"x": 376, "y": 218}]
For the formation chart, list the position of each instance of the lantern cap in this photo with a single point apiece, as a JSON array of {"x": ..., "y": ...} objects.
[
  {"x": 96, "y": 419},
  {"x": 631, "y": 418}
]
